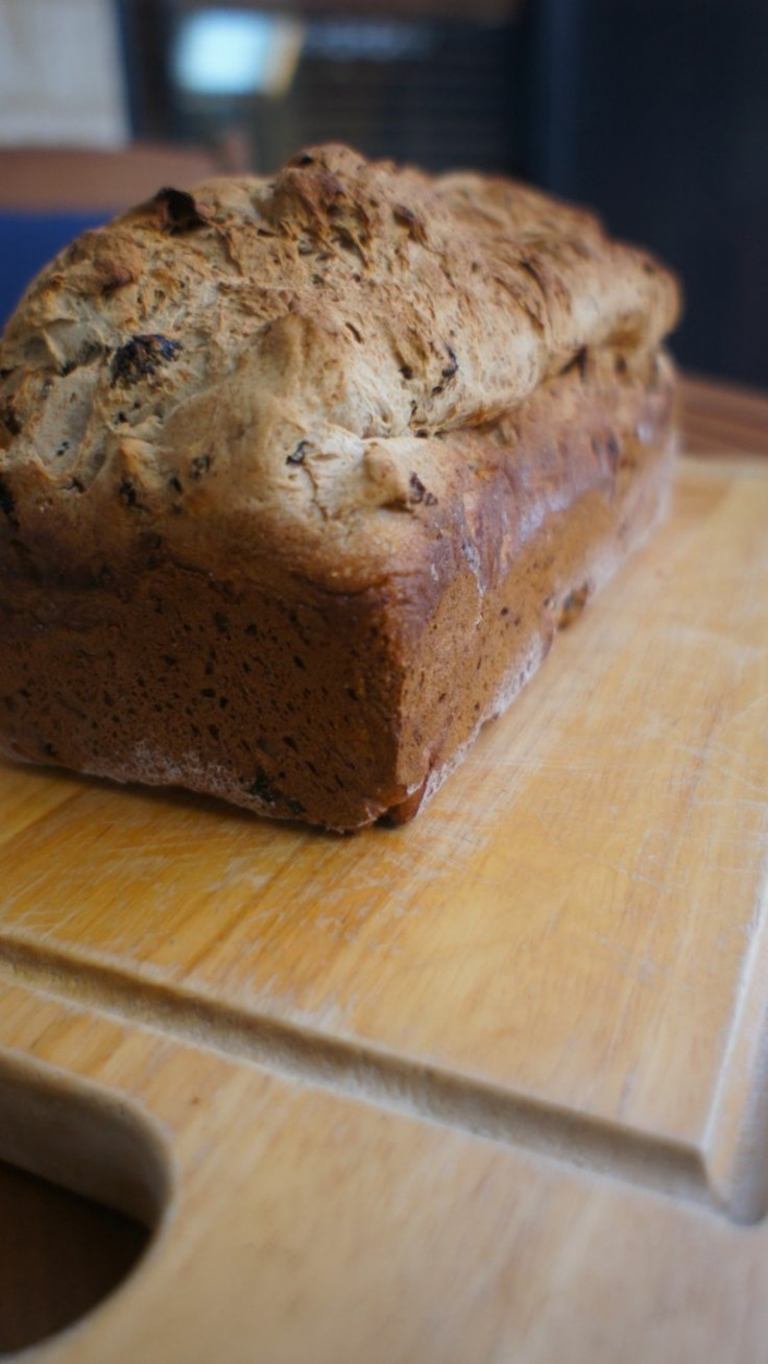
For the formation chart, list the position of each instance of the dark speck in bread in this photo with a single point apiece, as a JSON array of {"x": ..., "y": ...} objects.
[
  {"x": 419, "y": 493},
  {"x": 127, "y": 493},
  {"x": 141, "y": 356},
  {"x": 452, "y": 368},
  {"x": 9, "y": 418},
  {"x": 297, "y": 456},
  {"x": 179, "y": 212},
  {"x": 200, "y": 466},
  {"x": 261, "y": 787},
  {"x": 7, "y": 502}
]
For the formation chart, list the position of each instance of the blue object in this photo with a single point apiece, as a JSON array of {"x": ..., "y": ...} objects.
[{"x": 27, "y": 243}]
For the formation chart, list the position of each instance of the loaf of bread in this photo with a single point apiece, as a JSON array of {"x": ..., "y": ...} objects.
[{"x": 299, "y": 477}]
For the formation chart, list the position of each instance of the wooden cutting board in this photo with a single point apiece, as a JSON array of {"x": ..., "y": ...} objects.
[{"x": 490, "y": 1087}]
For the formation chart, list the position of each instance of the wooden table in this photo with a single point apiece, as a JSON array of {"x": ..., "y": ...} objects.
[
  {"x": 719, "y": 418},
  {"x": 59, "y": 1252}
]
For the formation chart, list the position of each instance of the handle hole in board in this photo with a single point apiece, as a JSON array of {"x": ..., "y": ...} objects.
[{"x": 85, "y": 1180}]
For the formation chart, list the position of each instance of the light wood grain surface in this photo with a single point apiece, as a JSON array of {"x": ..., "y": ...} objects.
[{"x": 485, "y": 1087}]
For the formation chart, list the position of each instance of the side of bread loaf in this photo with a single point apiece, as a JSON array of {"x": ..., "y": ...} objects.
[{"x": 298, "y": 478}]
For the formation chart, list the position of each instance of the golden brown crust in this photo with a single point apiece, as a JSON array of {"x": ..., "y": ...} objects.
[
  {"x": 288, "y": 351},
  {"x": 353, "y": 392}
]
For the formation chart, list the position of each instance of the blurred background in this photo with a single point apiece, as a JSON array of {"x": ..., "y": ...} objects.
[{"x": 654, "y": 111}]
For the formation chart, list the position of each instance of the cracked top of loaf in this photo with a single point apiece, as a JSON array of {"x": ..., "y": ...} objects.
[{"x": 303, "y": 358}]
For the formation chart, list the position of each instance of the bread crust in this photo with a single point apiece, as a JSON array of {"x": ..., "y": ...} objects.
[{"x": 299, "y": 477}]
